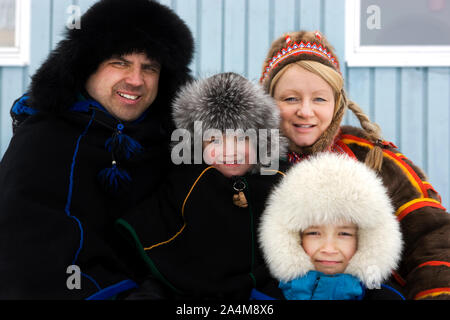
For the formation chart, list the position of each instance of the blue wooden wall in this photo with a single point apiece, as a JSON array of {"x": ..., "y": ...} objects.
[{"x": 411, "y": 104}]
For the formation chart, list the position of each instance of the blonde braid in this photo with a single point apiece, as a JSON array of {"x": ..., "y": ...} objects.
[{"x": 374, "y": 159}]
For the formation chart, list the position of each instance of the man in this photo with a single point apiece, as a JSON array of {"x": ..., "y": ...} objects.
[{"x": 91, "y": 140}]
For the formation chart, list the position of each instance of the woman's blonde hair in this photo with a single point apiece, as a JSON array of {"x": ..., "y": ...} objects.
[{"x": 374, "y": 158}]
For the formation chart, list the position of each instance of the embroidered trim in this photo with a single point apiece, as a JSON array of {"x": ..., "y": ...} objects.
[
  {"x": 410, "y": 173},
  {"x": 113, "y": 290},
  {"x": 182, "y": 214},
  {"x": 434, "y": 264},
  {"x": 432, "y": 293},
  {"x": 399, "y": 278},
  {"x": 128, "y": 230},
  {"x": 393, "y": 290},
  {"x": 338, "y": 147},
  {"x": 294, "y": 49},
  {"x": 430, "y": 187},
  {"x": 69, "y": 194},
  {"x": 416, "y": 204},
  {"x": 275, "y": 171},
  {"x": 342, "y": 148},
  {"x": 69, "y": 199}
]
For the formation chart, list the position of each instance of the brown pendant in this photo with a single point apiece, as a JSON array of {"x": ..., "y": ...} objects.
[{"x": 240, "y": 200}]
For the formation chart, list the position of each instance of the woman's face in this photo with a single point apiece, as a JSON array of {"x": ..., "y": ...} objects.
[{"x": 306, "y": 103}]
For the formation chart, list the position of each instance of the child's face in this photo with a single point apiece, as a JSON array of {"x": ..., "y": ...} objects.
[
  {"x": 330, "y": 246},
  {"x": 231, "y": 155}
]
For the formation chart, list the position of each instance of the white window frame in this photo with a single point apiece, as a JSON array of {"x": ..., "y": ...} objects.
[
  {"x": 387, "y": 56},
  {"x": 19, "y": 54}
]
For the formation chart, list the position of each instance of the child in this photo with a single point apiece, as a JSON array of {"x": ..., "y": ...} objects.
[
  {"x": 197, "y": 234},
  {"x": 329, "y": 232}
]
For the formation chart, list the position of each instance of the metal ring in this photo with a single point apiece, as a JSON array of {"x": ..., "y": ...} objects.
[{"x": 236, "y": 187}]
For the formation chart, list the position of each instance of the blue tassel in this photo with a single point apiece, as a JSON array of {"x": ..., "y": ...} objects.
[
  {"x": 123, "y": 145},
  {"x": 114, "y": 178}
]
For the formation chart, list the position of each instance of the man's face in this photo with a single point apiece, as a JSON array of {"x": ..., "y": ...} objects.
[{"x": 125, "y": 85}]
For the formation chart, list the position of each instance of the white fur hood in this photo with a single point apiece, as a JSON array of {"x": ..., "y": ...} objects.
[{"x": 328, "y": 188}]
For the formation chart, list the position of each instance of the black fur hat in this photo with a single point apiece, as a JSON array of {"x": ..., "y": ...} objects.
[{"x": 114, "y": 27}]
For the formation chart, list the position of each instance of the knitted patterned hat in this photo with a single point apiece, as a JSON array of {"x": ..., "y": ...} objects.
[{"x": 295, "y": 46}]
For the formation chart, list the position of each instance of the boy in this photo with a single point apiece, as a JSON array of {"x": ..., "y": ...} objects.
[
  {"x": 329, "y": 232},
  {"x": 197, "y": 234}
]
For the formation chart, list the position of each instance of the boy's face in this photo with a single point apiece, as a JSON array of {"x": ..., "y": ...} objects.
[
  {"x": 330, "y": 246},
  {"x": 231, "y": 155}
]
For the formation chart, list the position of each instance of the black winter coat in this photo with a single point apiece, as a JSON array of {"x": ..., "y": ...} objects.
[
  {"x": 54, "y": 213},
  {"x": 193, "y": 237}
]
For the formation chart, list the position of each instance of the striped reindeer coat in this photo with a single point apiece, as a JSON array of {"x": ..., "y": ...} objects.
[{"x": 424, "y": 270}]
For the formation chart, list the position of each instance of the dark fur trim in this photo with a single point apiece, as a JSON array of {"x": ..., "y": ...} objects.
[{"x": 114, "y": 27}]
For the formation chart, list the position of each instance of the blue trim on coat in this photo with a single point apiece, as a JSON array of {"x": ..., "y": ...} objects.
[
  {"x": 393, "y": 290},
  {"x": 113, "y": 290},
  {"x": 83, "y": 106},
  {"x": 20, "y": 107},
  {"x": 69, "y": 198},
  {"x": 258, "y": 295}
]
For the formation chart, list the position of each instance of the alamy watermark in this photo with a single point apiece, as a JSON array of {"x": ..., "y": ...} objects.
[
  {"x": 74, "y": 280},
  {"x": 74, "y": 19},
  {"x": 374, "y": 19},
  {"x": 234, "y": 146}
]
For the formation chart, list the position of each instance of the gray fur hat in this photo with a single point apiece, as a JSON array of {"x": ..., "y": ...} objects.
[{"x": 228, "y": 101}]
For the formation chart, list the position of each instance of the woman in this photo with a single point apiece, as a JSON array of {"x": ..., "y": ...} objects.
[{"x": 302, "y": 73}]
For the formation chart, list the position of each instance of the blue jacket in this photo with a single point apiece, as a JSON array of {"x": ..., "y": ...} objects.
[{"x": 316, "y": 285}]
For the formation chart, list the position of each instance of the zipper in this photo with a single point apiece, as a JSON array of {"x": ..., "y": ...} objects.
[{"x": 316, "y": 283}]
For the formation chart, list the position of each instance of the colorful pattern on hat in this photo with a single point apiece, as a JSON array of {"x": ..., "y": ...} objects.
[{"x": 297, "y": 49}]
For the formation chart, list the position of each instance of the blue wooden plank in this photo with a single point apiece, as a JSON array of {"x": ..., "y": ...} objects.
[
  {"x": 311, "y": 14},
  {"x": 385, "y": 102},
  {"x": 412, "y": 125},
  {"x": 187, "y": 10},
  {"x": 284, "y": 17},
  {"x": 11, "y": 88},
  {"x": 332, "y": 23},
  {"x": 210, "y": 52},
  {"x": 359, "y": 88},
  {"x": 438, "y": 138},
  {"x": 235, "y": 37},
  {"x": 40, "y": 34},
  {"x": 59, "y": 19},
  {"x": 258, "y": 36}
]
